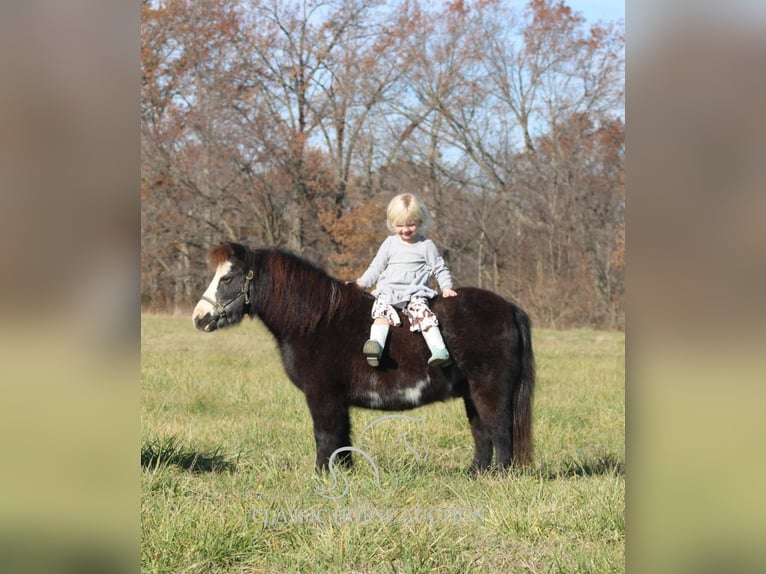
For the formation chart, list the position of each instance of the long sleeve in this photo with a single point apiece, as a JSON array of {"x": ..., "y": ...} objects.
[
  {"x": 401, "y": 271},
  {"x": 438, "y": 268},
  {"x": 377, "y": 266}
]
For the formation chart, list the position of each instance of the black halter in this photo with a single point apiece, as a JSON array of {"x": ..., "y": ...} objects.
[{"x": 220, "y": 308}]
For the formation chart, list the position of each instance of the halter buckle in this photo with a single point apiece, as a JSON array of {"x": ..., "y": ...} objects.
[{"x": 246, "y": 286}]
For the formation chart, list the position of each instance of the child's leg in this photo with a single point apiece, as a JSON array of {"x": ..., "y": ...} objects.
[
  {"x": 383, "y": 316},
  {"x": 435, "y": 342},
  {"x": 423, "y": 319},
  {"x": 379, "y": 331},
  {"x": 373, "y": 348}
]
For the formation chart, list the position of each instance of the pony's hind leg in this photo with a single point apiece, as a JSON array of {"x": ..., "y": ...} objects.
[
  {"x": 500, "y": 431},
  {"x": 491, "y": 420},
  {"x": 496, "y": 419},
  {"x": 482, "y": 456}
]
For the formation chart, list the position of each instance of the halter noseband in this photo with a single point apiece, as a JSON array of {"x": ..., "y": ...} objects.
[{"x": 220, "y": 308}]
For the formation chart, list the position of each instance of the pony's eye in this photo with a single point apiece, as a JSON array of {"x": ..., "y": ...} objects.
[{"x": 226, "y": 279}]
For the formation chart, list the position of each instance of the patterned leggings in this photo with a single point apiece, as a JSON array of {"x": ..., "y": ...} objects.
[{"x": 420, "y": 315}]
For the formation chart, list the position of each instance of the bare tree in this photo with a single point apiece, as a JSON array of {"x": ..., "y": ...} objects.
[{"x": 291, "y": 123}]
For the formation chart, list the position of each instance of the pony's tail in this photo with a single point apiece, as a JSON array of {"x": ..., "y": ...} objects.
[{"x": 523, "y": 394}]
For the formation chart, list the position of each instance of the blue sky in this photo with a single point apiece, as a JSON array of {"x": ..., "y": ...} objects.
[{"x": 595, "y": 10}]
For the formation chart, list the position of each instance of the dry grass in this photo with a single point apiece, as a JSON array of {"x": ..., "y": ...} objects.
[{"x": 225, "y": 396}]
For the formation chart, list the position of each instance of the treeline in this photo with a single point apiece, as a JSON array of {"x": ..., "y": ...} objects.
[{"x": 292, "y": 123}]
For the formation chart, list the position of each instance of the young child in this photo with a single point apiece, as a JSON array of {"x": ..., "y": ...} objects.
[{"x": 401, "y": 269}]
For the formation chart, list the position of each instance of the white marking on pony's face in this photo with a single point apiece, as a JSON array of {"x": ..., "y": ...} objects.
[{"x": 204, "y": 307}]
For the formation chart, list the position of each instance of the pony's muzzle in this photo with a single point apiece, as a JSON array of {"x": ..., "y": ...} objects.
[
  {"x": 205, "y": 323},
  {"x": 205, "y": 320}
]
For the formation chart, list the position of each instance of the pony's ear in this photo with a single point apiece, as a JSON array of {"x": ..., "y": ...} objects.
[{"x": 238, "y": 252}]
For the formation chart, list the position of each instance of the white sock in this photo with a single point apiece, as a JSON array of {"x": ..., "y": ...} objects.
[
  {"x": 433, "y": 338},
  {"x": 379, "y": 333}
]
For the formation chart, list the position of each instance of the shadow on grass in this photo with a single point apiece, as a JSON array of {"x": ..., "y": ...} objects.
[
  {"x": 171, "y": 452},
  {"x": 606, "y": 464},
  {"x": 602, "y": 465}
]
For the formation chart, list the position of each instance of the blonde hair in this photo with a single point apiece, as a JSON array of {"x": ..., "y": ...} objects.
[{"x": 406, "y": 208}]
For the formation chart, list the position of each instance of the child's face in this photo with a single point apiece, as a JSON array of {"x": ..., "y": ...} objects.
[{"x": 407, "y": 231}]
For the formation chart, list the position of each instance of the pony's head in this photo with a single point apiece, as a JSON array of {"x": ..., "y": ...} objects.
[{"x": 227, "y": 299}]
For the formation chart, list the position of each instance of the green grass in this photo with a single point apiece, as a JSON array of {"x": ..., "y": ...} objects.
[{"x": 251, "y": 501}]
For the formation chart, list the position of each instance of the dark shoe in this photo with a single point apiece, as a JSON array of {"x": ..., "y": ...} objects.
[
  {"x": 439, "y": 358},
  {"x": 373, "y": 351}
]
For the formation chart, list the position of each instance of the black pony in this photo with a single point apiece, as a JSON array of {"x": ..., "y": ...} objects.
[{"x": 320, "y": 325}]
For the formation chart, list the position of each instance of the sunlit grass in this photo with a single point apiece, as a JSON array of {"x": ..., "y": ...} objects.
[{"x": 226, "y": 393}]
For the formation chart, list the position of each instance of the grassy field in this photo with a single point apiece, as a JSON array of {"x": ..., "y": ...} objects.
[{"x": 220, "y": 405}]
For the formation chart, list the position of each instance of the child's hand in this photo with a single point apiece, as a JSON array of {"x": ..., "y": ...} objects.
[{"x": 449, "y": 293}]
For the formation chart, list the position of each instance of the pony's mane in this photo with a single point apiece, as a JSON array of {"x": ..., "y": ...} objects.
[
  {"x": 218, "y": 254},
  {"x": 299, "y": 296}
]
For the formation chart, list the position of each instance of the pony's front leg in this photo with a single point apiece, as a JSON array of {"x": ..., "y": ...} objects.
[{"x": 332, "y": 430}]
